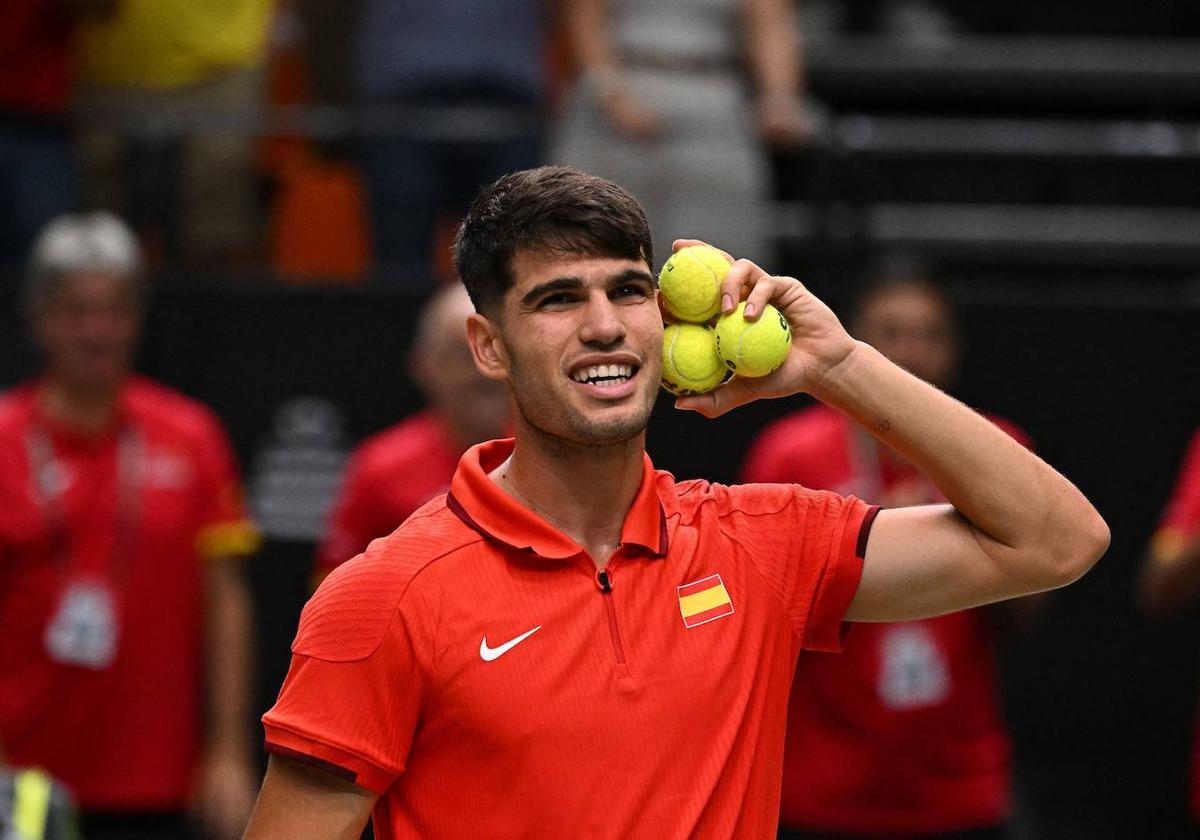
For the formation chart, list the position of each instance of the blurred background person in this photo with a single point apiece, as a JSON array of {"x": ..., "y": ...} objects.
[
  {"x": 194, "y": 71},
  {"x": 36, "y": 162},
  {"x": 1170, "y": 576},
  {"x": 660, "y": 106},
  {"x": 902, "y": 734},
  {"x": 420, "y": 61},
  {"x": 400, "y": 469},
  {"x": 126, "y": 622}
]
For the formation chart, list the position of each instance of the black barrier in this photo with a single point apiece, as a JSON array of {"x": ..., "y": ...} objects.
[{"x": 1099, "y": 698}]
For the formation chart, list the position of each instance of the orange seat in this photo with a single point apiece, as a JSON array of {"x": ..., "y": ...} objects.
[{"x": 319, "y": 228}]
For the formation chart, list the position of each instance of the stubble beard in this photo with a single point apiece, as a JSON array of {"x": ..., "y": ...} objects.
[{"x": 560, "y": 420}]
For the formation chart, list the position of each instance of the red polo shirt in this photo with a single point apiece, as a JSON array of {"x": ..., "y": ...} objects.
[
  {"x": 1180, "y": 528},
  {"x": 901, "y": 734},
  {"x": 476, "y": 670},
  {"x": 125, "y": 737},
  {"x": 390, "y": 476}
]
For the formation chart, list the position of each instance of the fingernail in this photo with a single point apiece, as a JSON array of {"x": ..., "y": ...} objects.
[
  {"x": 726, "y": 303},
  {"x": 748, "y": 312}
]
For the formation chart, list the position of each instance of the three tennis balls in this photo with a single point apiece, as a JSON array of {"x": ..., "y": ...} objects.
[{"x": 696, "y": 357}]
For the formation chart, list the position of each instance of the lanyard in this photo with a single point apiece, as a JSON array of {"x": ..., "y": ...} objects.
[{"x": 49, "y": 479}]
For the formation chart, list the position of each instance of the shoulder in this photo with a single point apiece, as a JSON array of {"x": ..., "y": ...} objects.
[
  {"x": 15, "y": 409},
  {"x": 697, "y": 498},
  {"x": 410, "y": 439},
  {"x": 349, "y": 614},
  {"x": 168, "y": 411}
]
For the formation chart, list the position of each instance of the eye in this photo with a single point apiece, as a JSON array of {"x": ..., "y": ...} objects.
[
  {"x": 632, "y": 290},
  {"x": 556, "y": 299}
]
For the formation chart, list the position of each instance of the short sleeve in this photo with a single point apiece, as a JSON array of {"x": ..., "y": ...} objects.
[
  {"x": 809, "y": 546},
  {"x": 1181, "y": 519},
  {"x": 352, "y": 696},
  {"x": 223, "y": 527}
]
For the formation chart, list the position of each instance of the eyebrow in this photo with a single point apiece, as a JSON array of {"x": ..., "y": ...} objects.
[{"x": 567, "y": 284}]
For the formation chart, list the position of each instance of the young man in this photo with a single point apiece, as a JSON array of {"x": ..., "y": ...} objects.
[
  {"x": 124, "y": 669},
  {"x": 902, "y": 733},
  {"x": 570, "y": 644}
]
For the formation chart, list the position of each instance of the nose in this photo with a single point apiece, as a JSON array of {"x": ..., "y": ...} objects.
[{"x": 602, "y": 324}]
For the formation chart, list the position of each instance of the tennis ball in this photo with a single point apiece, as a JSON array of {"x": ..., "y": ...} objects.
[
  {"x": 690, "y": 282},
  {"x": 690, "y": 361},
  {"x": 753, "y": 348}
]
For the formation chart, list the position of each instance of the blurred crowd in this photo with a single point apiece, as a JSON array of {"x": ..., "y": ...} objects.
[{"x": 342, "y": 142}]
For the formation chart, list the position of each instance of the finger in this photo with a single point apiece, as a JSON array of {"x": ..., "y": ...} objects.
[
  {"x": 760, "y": 295},
  {"x": 736, "y": 392},
  {"x": 742, "y": 275}
]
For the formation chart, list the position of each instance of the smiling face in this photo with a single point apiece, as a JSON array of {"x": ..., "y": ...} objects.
[
  {"x": 88, "y": 329},
  {"x": 913, "y": 326},
  {"x": 579, "y": 341}
]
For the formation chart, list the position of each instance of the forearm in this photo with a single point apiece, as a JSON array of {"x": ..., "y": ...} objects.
[
  {"x": 229, "y": 656},
  {"x": 1024, "y": 512},
  {"x": 773, "y": 48},
  {"x": 586, "y": 26}
]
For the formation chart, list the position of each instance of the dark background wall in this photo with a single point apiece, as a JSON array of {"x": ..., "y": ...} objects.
[{"x": 1100, "y": 698}]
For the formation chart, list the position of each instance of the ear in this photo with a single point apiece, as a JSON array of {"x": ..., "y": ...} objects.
[{"x": 487, "y": 348}]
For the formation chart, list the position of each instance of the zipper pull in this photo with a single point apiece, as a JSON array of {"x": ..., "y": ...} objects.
[{"x": 604, "y": 580}]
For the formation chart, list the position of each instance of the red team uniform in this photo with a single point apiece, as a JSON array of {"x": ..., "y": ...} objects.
[
  {"x": 102, "y": 545},
  {"x": 901, "y": 733},
  {"x": 479, "y": 673},
  {"x": 1180, "y": 527},
  {"x": 390, "y": 475}
]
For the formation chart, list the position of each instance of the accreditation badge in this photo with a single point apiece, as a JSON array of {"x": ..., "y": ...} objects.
[{"x": 84, "y": 630}]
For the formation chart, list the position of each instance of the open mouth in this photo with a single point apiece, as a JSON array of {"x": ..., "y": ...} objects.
[{"x": 604, "y": 376}]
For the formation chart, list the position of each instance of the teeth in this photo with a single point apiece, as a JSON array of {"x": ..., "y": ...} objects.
[{"x": 609, "y": 374}]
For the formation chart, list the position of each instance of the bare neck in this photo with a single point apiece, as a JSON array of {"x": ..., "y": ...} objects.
[
  {"x": 584, "y": 491},
  {"x": 89, "y": 411}
]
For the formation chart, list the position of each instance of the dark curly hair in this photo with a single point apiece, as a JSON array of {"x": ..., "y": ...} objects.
[{"x": 555, "y": 209}]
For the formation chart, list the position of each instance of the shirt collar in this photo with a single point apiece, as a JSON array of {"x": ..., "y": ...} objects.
[{"x": 482, "y": 505}]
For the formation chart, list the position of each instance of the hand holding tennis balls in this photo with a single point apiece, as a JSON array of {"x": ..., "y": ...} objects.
[{"x": 756, "y": 305}]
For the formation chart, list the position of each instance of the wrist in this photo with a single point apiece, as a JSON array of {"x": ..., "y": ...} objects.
[{"x": 831, "y": 381}]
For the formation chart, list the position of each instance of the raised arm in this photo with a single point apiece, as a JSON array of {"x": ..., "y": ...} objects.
[
  {"x": 1014, "y": 525},
  {"x": 304, "y": 803}
]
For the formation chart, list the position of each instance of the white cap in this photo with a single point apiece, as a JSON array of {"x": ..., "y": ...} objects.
[{"x": 93, "y": 242}]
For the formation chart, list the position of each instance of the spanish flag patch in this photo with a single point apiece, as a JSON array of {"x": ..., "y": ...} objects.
[{"x": 703, "y": 601}]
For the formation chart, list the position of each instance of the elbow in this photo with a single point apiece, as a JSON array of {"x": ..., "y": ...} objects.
[{"x": 1084, "y": 544}]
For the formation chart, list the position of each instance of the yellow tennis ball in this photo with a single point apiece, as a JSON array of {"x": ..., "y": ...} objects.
[
  {"x": 753, "y": 348},
  {"x": 690, "y": 361},
  {"x": 690, "y": 282}
]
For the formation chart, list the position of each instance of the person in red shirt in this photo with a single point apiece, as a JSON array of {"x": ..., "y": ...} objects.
[
  {"x": 902, "y": 734},
  {"x": 1170, "y": 577},
  {"x": 570, "y": 643},
  {"x": 396, "y": 471},
  {"x": 123, "y": 610}
]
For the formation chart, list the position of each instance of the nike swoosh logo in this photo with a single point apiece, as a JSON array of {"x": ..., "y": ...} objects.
[{"x": 487, "y": 654}]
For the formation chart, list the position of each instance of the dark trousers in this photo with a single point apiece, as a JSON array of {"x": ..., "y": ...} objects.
[{"x": 414, "y": 181}]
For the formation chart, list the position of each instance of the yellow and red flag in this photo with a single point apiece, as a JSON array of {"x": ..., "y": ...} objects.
[{"x": 703, "y": 601}]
